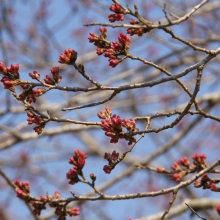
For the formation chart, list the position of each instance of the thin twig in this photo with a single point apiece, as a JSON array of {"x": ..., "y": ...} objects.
[{"x": 195, "y": 212}]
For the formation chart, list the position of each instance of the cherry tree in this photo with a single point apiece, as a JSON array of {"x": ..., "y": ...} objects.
[{"x": 110, "y": 110}]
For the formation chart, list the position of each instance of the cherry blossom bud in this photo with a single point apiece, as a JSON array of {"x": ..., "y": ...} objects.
[
  {"x": 101, "y": 114},
  {"x": 100, "y": 51},
  {"x": 55, "y": 72},
  {"x": 103, "y": 32},
  {"x": 13, "y": 69},
  {"x": 213, "y": 187},
  {"x": 34, "y": 75},
  {"x": 48, "y": 80},
  {"x": 199, "y": 158},
  {"x": 176, "y": 167},
  {"x": 176, "y": 177},
  {"x": 38, "y": 92},
  {"x": 107, "y": 169},
  {"x": 17, "y": 183},
  {"x": 43, "y": 198},
  {"x": 3, "y": 69},
  {"x": 108, "y": 111},
  {"x": 131, "y": 31},
  {"x": 133, "y": 21},
  {"x": 39, "y": 129},
  {"x": 73, "y": 212},
  {"x": 56, "y": 195},
  {"x": 30, "y": 98},
  {"x": 20, "y": 194},
  {"x": 124, "y": 40},
  {"x": 24, "y": 85},
  {"x": 115, "y": 17},
  {"x": 184, "y": 162},
  {"x": 93, "y": 37},
  {"x": 9, "y": 83},
  {"x": 116, "y": 8},
  {"x": 69, "y": 57},
  {"x": 113, "y": 63}
]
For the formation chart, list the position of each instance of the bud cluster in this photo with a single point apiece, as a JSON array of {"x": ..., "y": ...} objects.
[
  {"x": 112, "y": 160},
  {"x": 199, "y": 161},
  {"x": 60, "y": 208},
  {"x": 78, "y": 160},
  {"x": 23, "y": 192},
  {"x": 11, "y": 76},
  {"x": 119, "y": 16},
  {"x": 68, "y": 57},
  {"x": 30, "y": 94},
  {"x": 56, "y": 77},
  {"x": 138, "y": 31},
  {"x": 112, "y": 50},
  {"x": 38, "y": 206},
  {"x": 119, "y": 13},
  {"x": 35, "y": 119},
  {"x": 207, "y": 183},
  {"x": 182, "y": 167},
  {"x": 113, "y": 126}
]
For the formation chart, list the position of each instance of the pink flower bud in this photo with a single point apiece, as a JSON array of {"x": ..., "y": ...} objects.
[
  {"x": 13, "y": 69},
  {"x": 17, "y": 183},
  {"x": 103, "y": 32},
  {"x": 184, "y": 162},
  {"x": 9, "y": 83},
  {"x": 218, "y": 208},
  {"x": 100, "y": 51},
  {"x": 24, "y": 85},
  {"x": 113, "y": 63},
  {"x": 176, "y": 167},
  {"x": 55, "y": 71},
  {"x": 176, "y": 177},
  {"x": 69, "y": 57},
  {"x": 115, "y": 17},
  {"x": 20, "y": 194},
  {"x": 56, "y": 195},
  {"x": 107, "y": 169},
  {"x": 199, "y": 158},
  {"x": 38, "y": 92},
  {"x": 213, "y": 187},
  {"x": 48, "y": 80},
  {"x": 30, "y": 98},
  {"x": 133, "y": 21},
  {"x": 73, "y": 212},
  {"x": 93, "y": 37},
  {"x": 30, "y": 114},
  {"x": 108, "y": 111},
  {"x": 3, "y": 69},
  {"x": 116, "y": 8},
  {"x": 101, "y": 115},
  {"x": 34, "y": 75},
  {"x": 131, "y": 31},
  {"x": 43, "y": 198},
  {"x": 39, "y": 129}
]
